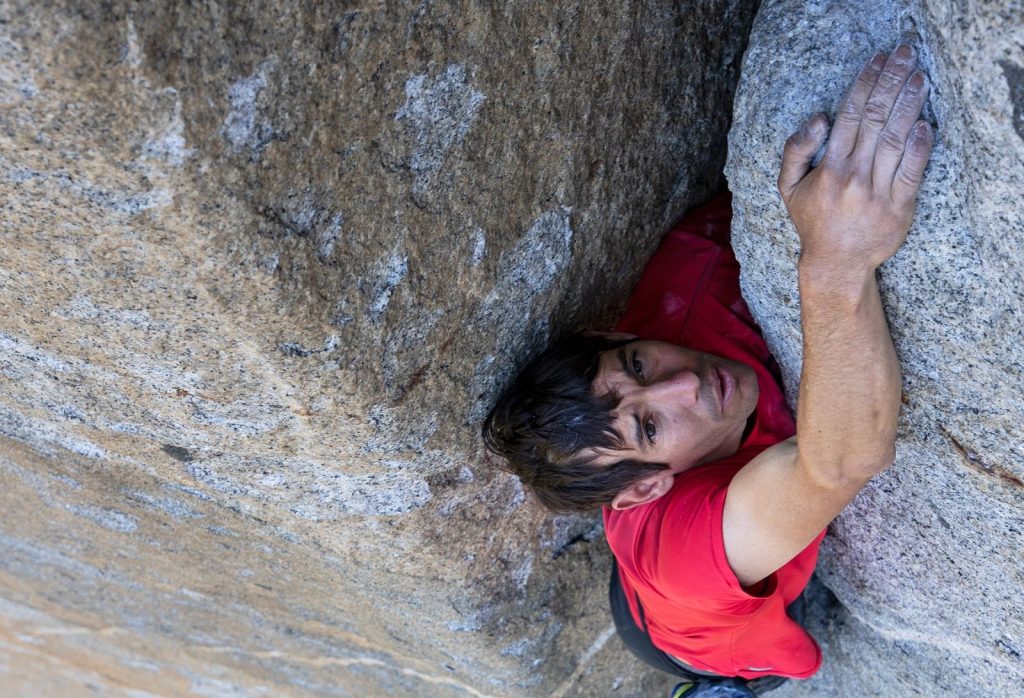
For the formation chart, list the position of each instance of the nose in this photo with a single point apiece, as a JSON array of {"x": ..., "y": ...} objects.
[{"x": 681, "y": 387}]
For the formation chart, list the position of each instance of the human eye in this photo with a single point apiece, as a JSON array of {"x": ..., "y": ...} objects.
[
  {"x": 636, "y": 364},
  {"x": 650, "y": 430}
]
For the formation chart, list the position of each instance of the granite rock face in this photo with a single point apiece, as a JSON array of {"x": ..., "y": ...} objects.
[
  {"x": 927, "y": 562},
  {"x": 265, "y": 267}
]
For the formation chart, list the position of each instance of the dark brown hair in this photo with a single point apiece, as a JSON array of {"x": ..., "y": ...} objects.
[{"x": 549, "y": 415}]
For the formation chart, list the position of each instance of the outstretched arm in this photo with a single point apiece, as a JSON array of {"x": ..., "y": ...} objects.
[{"x": 852, "y": 213}]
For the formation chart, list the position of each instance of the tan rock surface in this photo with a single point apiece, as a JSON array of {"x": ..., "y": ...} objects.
[{"x": 264, "y": 269}]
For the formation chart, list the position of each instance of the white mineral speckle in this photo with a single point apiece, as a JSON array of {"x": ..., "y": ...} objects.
[
  {"x": 526, "y": 272},
  {"x": 479, "y": 247},
  {"x": 245, "y": 127},
  {"x": 327, "y": 237},
  {"x": 311, "y": 490},
  {"x": 440, "y": 112},
  {"x": 393, "y": 271},
  {"x": 521, "y": 574},
  {"x": 168, "y": 144},
  {"x": 132, "y": 54},
  {"x": 108, "y": 518}
]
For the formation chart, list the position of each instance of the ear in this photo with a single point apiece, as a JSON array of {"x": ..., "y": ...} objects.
[
  {"x": 643, "y": 491},
  {"x": 609, "y": 335}
]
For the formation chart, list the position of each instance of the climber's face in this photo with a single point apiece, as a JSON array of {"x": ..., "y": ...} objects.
[{"x": 676, "y": 405}]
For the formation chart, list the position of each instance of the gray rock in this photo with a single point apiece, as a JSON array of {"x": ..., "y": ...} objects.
[
  {"x": 926, "y": 562},
  {"x": 265, "y": 267}
]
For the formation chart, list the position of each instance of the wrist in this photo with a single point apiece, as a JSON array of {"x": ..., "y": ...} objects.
[{"x": 834, "y": 278}]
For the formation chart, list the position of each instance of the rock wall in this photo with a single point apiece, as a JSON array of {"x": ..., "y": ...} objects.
[
  {"x": 265, "y": 267},
  {"x": 927, "y": 562}
]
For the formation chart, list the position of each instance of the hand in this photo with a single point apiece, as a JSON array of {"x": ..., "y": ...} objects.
[{"x": 854, "y": 209}]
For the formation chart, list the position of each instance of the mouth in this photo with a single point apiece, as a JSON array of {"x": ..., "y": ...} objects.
[{"x": 726, "y": 387}]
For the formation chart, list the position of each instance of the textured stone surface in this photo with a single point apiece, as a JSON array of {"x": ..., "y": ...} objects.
[
  {"x": 265, "y": 267},
  {"x": 928, "y": 560}
]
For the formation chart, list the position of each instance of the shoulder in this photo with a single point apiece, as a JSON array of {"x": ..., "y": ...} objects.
[{"x": 675, "y": 542}]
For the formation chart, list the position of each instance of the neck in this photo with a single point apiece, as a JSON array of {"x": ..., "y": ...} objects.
[{"x": 730, "y": 445}]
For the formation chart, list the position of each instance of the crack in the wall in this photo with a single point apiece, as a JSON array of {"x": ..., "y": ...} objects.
[
  {"x": 1014, "y": 75},
  {"x": 973, "y": 461}
]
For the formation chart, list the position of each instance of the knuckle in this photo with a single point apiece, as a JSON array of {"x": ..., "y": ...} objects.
[
  {"x": 905, "y": 105},
  {"x": 890, "y": 140},
  {"x": 908, "y": 177},
  {"x": 891, "y": 78},
  {"x": 849, "y": 118},
  {"x": 902, "y": 113},
  {"x": 866, "y": 80},
  {"x": 911, "y": 90},
  {"x": 908, "y": 106},
  {"x": 875, "y": 114},
  {"x": 848, "y": 110}
]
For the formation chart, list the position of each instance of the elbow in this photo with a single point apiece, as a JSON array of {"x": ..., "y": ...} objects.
[
  {"x": 850, "y": 470},
  {"x": 869, "y": 465}
]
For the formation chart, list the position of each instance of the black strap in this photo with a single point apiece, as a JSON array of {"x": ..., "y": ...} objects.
[{"x": 640, "y": 609}]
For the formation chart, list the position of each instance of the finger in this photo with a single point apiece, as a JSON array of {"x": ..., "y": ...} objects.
[
  {"x": 844, "y": 131},
  {"x": 880, "y": 104},
  {"x": 799, "y": 151},
  {"x": 893, "y": 138},
  {"x": 909, "y": 174}
]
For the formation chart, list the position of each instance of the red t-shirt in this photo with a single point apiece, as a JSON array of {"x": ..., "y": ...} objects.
[{"x": 670, "y": 551}]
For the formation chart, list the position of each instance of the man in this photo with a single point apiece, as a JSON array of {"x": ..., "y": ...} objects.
[{"x": 677, "y": 427}]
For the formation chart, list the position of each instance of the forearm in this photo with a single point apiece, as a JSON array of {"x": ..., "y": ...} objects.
[
  {"x": 850, "y": 386},
  {"x": 852, "y": 212}
]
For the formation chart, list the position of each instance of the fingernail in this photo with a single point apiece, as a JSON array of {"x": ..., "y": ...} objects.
[
  {"x": 878, "y": 62},
  {"x": 916, "y": 81},
  {"x": 904, "y": 53},
  {"x": 921, "y": 130}
]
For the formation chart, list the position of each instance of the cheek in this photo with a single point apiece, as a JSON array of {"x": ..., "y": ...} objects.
[{"x": 689, "y": 435}]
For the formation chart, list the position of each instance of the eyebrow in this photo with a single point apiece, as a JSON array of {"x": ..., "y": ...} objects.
[
  {"x": 641, "y": 443},
  {"x": 640, "y": 433},
  {"x": 625, "y": 365}
]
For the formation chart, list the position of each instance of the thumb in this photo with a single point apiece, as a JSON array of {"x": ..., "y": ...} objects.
[{"x": 799, "y": 151}]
